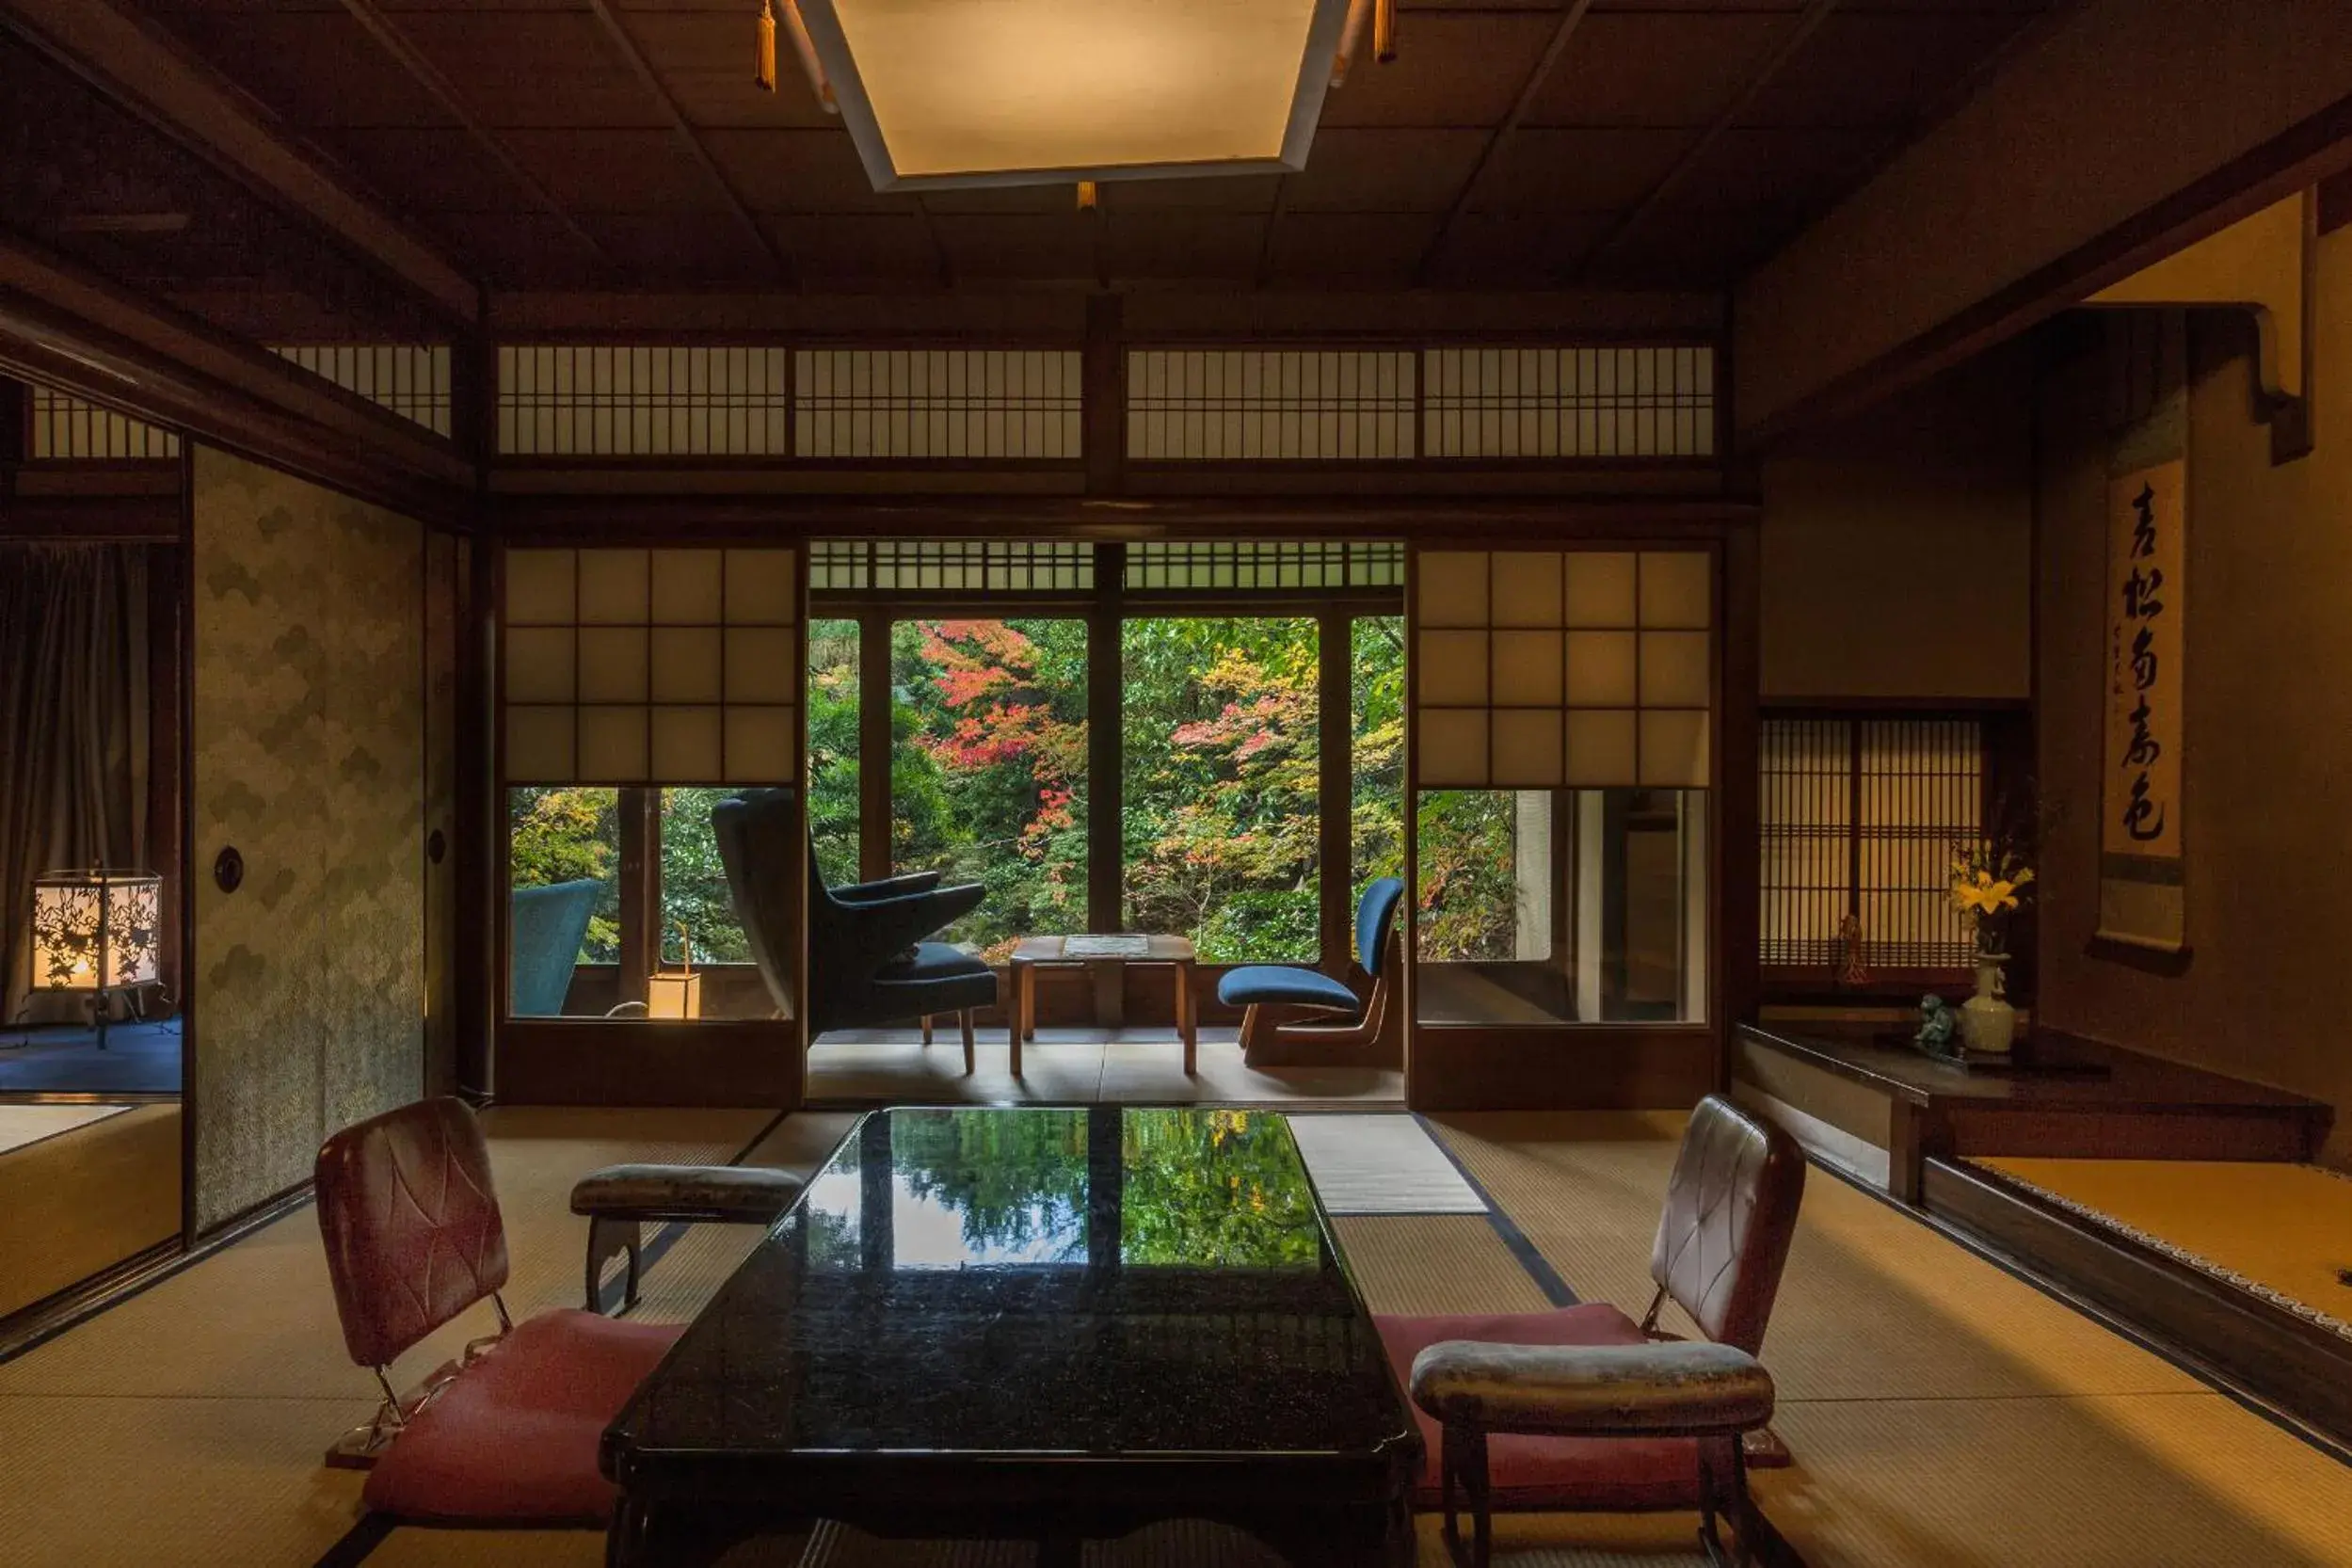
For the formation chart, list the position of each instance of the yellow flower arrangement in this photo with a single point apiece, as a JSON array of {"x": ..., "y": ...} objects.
[{"x": 1977, "y": 890}]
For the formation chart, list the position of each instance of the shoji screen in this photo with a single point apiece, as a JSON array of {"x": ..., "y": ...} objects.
[
  {"x": 671, "y": 666},
  {"x": 1541, "y": 669}
]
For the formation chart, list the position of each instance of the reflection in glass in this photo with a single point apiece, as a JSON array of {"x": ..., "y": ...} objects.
[
  {"x": 973, "y": 1189},
  {"x": 917, "y": 1189},
  {"x": 1545, "y": 906},
  {"x": 1214, "y": 1188}
]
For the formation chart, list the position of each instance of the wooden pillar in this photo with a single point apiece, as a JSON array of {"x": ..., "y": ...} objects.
[
  {"x": 1734, "y": 882},
  {"x": 480, "y": 817},
  {"x": 873, "y": 746},
  {"x": 1335, "y": 784}
]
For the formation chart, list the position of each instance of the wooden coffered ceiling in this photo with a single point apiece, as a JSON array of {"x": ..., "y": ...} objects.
[{"x": 556, "y": 144}]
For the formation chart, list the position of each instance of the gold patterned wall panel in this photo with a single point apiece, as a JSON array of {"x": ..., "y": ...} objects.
[{"x": 308, "y": 743}]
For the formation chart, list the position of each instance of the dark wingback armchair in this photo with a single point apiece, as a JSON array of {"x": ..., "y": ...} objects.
[{"x": 868, "y": 964}]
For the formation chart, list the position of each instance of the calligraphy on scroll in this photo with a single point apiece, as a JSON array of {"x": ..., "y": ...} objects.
[{"x": 2140, "y": 817}]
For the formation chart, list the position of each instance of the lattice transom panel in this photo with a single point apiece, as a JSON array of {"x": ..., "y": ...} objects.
[
  {"x": 1264, "y": 566},
  {"x": 410, "y": 379},
  {"x": 1569, "y": 403},
  {"x": 575, "y": 400},
  {"x": 1277, "y": 405},
  {"x": 67, "y": 428},
  {"x": 950, "y": 566},
  {"x": 980, "y": 403}
]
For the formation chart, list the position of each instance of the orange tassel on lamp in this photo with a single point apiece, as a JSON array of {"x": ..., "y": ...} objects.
[
  {"x": 764, "y": 70},
  {"x": 1384, "y": 31}
]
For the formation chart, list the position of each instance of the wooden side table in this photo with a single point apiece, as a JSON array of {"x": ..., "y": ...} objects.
[{"x": 1173, "y": 952}]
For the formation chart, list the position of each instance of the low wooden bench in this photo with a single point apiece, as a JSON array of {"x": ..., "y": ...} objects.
[{"x": 618, "y": 1200}]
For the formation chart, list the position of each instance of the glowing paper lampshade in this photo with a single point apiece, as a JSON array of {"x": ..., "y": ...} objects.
[
  {"x": 1009, "y": 92},
  {"x": 95, "y": 930}
]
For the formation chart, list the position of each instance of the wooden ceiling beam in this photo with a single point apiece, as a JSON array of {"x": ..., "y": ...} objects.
[
  {"x": 1553, "y": 49},
  {"x": 135, "y": 63},
  {"x": 65, "y": 327},
  {"x": 634, "y": 54},
  {"x": 1808, "y": 22},
  {"x": 396, "y": 43}
]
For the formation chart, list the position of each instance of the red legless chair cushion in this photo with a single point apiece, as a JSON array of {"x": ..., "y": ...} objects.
[
  {"x": 514, "y": 1439},
  {"x": 1596, "y": 1474},
  {"x": 414, "y": 1238}
]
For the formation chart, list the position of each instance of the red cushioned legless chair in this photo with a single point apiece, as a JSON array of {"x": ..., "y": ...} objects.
[
  {"x": 1730, "y": 1213},
  {"x": 413, "y": 1239}
]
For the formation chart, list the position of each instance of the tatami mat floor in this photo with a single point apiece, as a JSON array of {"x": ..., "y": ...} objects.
[
  {"x": 2284, "y": 1227},
  {"x": 1941, "y": 1411}
]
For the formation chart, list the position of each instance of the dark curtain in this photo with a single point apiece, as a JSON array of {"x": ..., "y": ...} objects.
[{"x": 74, "y": 726}]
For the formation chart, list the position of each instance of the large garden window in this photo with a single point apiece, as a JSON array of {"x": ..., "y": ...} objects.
[
  {"x": 1221, "y": 820},
  {"x": 988, "y": 769}
]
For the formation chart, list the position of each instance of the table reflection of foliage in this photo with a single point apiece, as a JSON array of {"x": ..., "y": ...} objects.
[
  {"x": 1214, "y": 1188},
  {"x": 1019, "y": 1181}
]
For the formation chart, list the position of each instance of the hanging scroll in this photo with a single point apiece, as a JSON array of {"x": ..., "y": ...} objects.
[{"x": 2141, "y": 881}]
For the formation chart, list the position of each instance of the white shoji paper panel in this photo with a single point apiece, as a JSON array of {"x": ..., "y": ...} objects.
[
  {"x": 1539, "y": 669},
  {"x": 645, "y": 666}
]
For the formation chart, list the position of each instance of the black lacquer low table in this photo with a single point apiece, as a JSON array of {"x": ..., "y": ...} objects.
[{"x": 1046, "y": 1324}]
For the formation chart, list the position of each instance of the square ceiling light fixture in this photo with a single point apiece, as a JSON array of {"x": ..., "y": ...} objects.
[{"x": 942, "y": 93}]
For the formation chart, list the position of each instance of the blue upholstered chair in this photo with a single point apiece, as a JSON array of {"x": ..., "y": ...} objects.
[
  {"x": 543, "y": 940},
  {"x": 1274, "y": 998},
  {"x": 868, "y": 964}
]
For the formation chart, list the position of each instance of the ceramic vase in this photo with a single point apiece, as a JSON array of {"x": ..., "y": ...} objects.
[{"x": 1988, "y": 1022}]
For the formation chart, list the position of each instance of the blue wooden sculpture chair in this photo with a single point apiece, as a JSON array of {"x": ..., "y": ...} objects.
[{"x": 1287, "y": 1009}]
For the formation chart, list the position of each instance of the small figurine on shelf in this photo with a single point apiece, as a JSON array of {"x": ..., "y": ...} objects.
[
  {"x": 1938, "y": 1019},
  {"x": 1852, "y": 972}
]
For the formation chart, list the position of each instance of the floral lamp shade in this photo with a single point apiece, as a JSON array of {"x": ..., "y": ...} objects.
[{"x": 95, "y": 930}]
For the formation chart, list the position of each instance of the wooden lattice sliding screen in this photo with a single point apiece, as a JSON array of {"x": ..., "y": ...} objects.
[{"x": 1860, "y": 817}]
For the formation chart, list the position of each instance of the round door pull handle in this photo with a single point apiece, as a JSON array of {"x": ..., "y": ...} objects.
[{"x": 229, "y": 869}]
